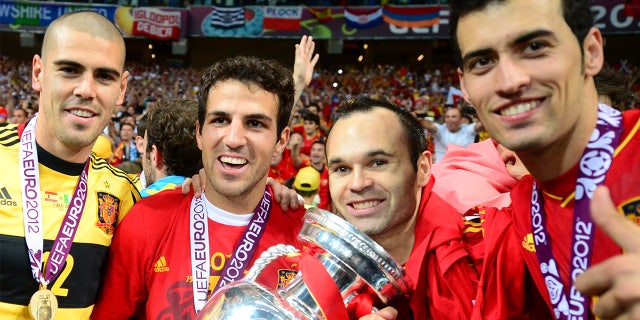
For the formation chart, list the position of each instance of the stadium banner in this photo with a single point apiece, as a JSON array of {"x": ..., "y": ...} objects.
[
  {"x": 336, "y": 23},
  {"x": 16, "y": 14},
  {"x": 321, "y": 23},
  {"x": 407, "y": 22},
  {"x": 156, "y": 23}
]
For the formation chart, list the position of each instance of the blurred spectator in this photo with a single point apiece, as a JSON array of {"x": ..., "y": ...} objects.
[
  {"x": 126, "y": 149},
  {"x": 285, "y": 166},
  {"x": 19, "y": 116},
  {"x": 306, "y": 184},
  {"x": 612, "y": 88},
  {"x": 315, "y": 109},
  {"x": 453, "y": 131},
  {"x": 310, "y": 131},
  {"x": 4, "y": 115},
  {"x": 318, "y": 161}
]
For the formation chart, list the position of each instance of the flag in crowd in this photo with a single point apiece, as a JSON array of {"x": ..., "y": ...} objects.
[
  {"x": 283, "y": 18},
  {"x": 227, "y": 17},
  {"x": 363, "y": 18},
  {"x": 412, "y": 16}
]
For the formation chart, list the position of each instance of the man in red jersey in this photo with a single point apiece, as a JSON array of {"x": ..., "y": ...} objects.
[
  {"x": 174, "y": 250},
  {"x": 527, "y": 67},
  {"x": 379, "y": 178}
]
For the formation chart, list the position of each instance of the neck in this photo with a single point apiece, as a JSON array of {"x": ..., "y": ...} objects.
[
  {"x": 318, "y": 166},
  {"x": 398, "y": 245},
  {"x": 238, "y": 204},
  {"x": 159, "y": 173},
  {"x": 59, "y": 149},
  {"x": 454, "y": 130},
  {"x": 399, "y": 241}
]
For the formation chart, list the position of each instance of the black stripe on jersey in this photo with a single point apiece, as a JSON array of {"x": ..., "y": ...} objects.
[
  {"x": 100, "y": 163},
  {"x": 8, "y": 135},
  {"x": 81, "y": 277}
]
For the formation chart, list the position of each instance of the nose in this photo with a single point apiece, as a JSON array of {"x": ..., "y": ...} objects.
[
  {"x": 236, "y": 135},
  {"x": 86, "y": 88},
  {"x": 359, "y": 180},
  {"x": 512, "y": 77}
]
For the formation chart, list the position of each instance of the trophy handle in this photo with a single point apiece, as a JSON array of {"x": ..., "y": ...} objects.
[{"x": 266, "y": 257}]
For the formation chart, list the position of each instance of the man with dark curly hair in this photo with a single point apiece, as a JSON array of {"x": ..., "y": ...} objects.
[{"x": 169, "y": 145}]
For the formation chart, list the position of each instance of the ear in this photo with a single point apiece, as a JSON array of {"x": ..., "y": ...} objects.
[
  {"x": 140, "y": 143},
  {"x": 36, "y": 73},
  {"x": 123, "y": 87},
  {"x": 462, "y": 87},
  {"x": 593, "y": 52},
  {"x": 424, "y": 169},
  {"x": 282, "y": 142},
  {"x": 156, "y": 157},
  {"x": 199, "y": 135}
]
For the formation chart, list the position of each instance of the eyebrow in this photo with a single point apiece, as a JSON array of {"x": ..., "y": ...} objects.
[
  {"x": 515, "y": 42},
  {"x": 370, "y": 154},
  {"x": 74, "y": 64},
  {"x": 254, "y": 116}
]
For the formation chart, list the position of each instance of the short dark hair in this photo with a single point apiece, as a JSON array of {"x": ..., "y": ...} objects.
[
  {"x": 268, "y": 74},
  {"x": 576, "y": 13},
  {"x": 308, "y": 116},
  {"x": 318, "y": 141},
  {"x": 24, "y": 112},
  {"x": 413, "y": 131},
  {"x": 171, "y": 127},
  {"x": 127, "y": 124}
]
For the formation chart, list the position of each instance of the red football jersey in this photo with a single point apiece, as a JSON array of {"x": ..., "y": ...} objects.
[
  {"x": 149, "y": 268},
  {"x": 512, "y": 284}
]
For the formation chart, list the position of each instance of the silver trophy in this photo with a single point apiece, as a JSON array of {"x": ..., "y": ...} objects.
[{"x": 352, "y": 259}]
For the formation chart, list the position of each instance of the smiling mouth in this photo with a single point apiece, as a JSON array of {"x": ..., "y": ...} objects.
[
  {"x": 231, "y": 162},
  {"x": 81, "y": 113},
  {"x": 365, "y": 204},
  {"x": 520, "y": 108}
]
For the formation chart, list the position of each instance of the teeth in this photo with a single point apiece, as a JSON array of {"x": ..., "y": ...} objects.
[
  {"x": 519, "y": 108},
  {"x": 231, "y": 160},
  {"x": 81, "y": 113},
  {"x": 365, "y": 205}
]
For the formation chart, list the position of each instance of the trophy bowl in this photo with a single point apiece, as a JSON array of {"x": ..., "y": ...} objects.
[{"x": 357, "y": 265}]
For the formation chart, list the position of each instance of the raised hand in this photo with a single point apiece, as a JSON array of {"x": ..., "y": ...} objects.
[{"x": 304, "y": 63}]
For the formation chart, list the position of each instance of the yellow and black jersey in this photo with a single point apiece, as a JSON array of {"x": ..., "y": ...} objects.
[{"x": 111, "y": 194}]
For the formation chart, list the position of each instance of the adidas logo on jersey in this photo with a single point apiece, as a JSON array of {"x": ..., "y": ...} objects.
[
  {"x": 528, "y": 243},
  {"x": 5, "y": 198},
  {"x": 161, "y": 265}
]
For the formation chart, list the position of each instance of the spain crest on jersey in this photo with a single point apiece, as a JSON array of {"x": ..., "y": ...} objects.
[
  {"x": 284, "y": 276},
  {"x": 631, "y": 210},
  {"x": 108, "y": 210}
]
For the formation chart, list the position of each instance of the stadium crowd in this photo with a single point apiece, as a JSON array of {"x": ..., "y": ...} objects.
[{"x": 426, "y": 93}]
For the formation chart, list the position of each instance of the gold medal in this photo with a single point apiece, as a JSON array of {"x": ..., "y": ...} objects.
[{"x": 43, "y": 304}]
